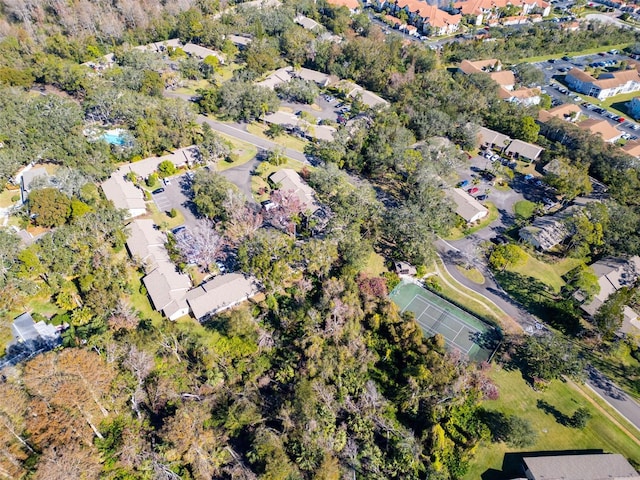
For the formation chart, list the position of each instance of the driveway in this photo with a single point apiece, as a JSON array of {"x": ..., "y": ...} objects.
[{"x": 240, "y": 176}]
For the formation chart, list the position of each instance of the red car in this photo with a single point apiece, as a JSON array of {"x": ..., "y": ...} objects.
[
  {"x": 620, "y": 120},
  {"x": 473, "y": 191}
]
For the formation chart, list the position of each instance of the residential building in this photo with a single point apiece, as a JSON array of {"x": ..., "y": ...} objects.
[
  {"x": 608, "y": 132},
  {"x": 632, "y": 147},
  {"x": 282, "y": 75},
  {"x": 520, "y": 150},
  {"x": 480, "y": 66},
  {"x": 404, "y": 268},
  {"x": 606, "y": 85},
  {"x": 307, "y": 23},
  {"x": 288, "y": 180},
  {"x": 367, "y": 97},
  {"x": 321, "y": 79},
  {"x": 567, "y": 111},
  {"x": 523, "y": 96},
  {"x": 470, "y": 209},
  {"x": 603, "y": 466},
  {"x": 548, "y": 231},
  {"x": 124, "y": 194},
  {"x": 295, "y": 124},
  {"x": 633, "y": 107},
  {"x": 194, "y": 50},
  {"x": 27, "y": 177},
  {"x": 240, "y": 41},
  {"x": 24, "y": 330},
  {"x": 352, "y": 5},
  {"x": 426, "y": 18},
  {"x": 167, "y": 288},
  {"x": 614, "y": 274},
  {"x": 492, "y": 139},
  {"x": 221, "y": 293},
  {"x": 484, "y": 11},
  {"x": 145, "y": 243}
]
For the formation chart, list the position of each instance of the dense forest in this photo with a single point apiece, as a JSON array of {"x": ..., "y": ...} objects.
[{"x": 321, "y": 377}]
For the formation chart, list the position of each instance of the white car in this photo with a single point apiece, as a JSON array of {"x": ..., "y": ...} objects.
[{"x": 495, "y": 157}]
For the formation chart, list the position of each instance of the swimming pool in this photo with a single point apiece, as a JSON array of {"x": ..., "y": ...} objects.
[{"x": 115, "y": 137}]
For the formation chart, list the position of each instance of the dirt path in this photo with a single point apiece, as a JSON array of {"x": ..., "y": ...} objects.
[{"x": 598, "y": 407}]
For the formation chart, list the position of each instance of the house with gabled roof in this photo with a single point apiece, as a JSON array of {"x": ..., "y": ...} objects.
[
  {"x": 467, "y": 207},
  {"x": 606, "y": 85},
  {"x": 614, "y": 274},
  {"x": 221, "y": 293},
  {"x": 601, "y": 466},
  {"x": 288, "y": 180},
  {"x": 492, "y": 139},
  {"x": 523, "y": 151},
  {"x": 604, "y": 129},
  {"x": 567, "y": 111},
  {"x": 124, "y": 194},
  {"x": 27, "y": 176}
]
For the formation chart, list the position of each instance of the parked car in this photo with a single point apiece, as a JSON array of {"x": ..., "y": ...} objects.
[
  {"x": 463, "y": 184},
  {"x": 482, "y": 198},
  {"x": 166, "y": 181},
  {"x": 528, "y": 177},
  {"x": 157, "y": 191},
  {"x": 473, "y": 191},
  {"x": 495, "y": 157},
  {"x": 499, "y": 240},
  {"x": 620, "y": 119},
  {"x": 179, "y": 229}
]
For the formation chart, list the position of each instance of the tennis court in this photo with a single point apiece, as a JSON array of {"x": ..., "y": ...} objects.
[{"x": 461, "y": 330}]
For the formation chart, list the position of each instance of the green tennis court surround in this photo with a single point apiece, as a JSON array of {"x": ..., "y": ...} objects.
[{"x": 461, "y": 330}]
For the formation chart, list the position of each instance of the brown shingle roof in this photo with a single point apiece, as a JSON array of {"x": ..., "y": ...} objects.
[{"x": 601, "y": 127}]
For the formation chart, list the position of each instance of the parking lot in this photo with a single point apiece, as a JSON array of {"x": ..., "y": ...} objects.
[
  {"x": 175, "y": 194},
  {"x": 555, "y": 71}
]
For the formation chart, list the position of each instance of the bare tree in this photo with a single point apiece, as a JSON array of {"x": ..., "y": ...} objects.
[
  {"x": 201, "y": 246},
  {"x": 68, "y": 461},
  {"x": 284, "y": 213},
  {"x": 140, "y": 363}
]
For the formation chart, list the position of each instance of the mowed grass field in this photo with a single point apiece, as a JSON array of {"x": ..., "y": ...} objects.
[{"x": 518, "y": 398}]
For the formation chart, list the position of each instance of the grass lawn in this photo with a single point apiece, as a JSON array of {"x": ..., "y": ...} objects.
[
  {"x": 225, "y": 72},
  {"x": 190, "y": 86},
  {"x": 548, "y": 273},
  {"x": 244, "y": 150},
  {"x": 259, "y": 180},
  {"x": 524, "y": 209},
  {"x": 472, "y": 274},
  {"x": 164, "y": 220},
  {"x": 602, "y": 48},
  {"x": 618, "y": 103},
  {"x": 284, "y": 140},
  {"x": 456, "y": 233},
  {"x": 375, "y": 265},
  {"x": 140, "y": 301},
  {"x": 6, "y": 195},
  {"x": 472, "y": 301},
  {"x": 517, "y": 398}
]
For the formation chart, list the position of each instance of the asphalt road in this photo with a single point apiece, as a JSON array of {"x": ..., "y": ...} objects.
[
  {"x": 614, "y": 395},
  {"x": 236, "y": 130}
]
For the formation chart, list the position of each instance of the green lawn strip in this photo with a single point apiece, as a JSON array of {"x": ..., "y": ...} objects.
[
  {"x": 472, "y": 301},
  {"x": 548, "y": 273},
  {"x": 245, "y": 151},
  {"x": 140, "y": 301},
  {"x": 524, "y": 209},
  {"x": 284, "y": 140},
  {"x": 518, "y": 398},
  {"x": 6, "y": 197},
  {"x": 472, "y": 274},
  {"x": 191, "y": 86},
  {"x": 457, "y": 234},
  {"x": 589, "y": 51}
]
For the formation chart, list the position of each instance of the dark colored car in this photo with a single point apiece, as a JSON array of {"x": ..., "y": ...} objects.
[
  {"x": 157, "y": 191},
  {"x": 499, "y": 240},
  {"x": 482, "y": 197}
]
